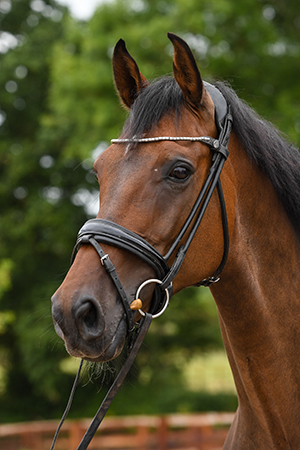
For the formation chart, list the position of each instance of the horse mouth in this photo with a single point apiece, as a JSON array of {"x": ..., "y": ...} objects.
[{"x": 105, "y": 348}]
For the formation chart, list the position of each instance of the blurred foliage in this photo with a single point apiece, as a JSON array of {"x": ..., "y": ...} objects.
[{"x": 58, "y": 107}]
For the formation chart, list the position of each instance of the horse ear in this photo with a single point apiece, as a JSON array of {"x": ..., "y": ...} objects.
[
  {"x": 128, "y": 79},
  {"x": 186, "y": 72}
]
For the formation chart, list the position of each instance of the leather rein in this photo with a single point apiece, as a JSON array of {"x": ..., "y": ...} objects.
[{"x": 97, "y": 231}]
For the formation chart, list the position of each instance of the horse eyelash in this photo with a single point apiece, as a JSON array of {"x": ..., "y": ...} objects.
[{"x": 93, "y": 172}]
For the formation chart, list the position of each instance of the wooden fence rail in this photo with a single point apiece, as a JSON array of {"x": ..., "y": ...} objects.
[{"x": 176, "y": 432}]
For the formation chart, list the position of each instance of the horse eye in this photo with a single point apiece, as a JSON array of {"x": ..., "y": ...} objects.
[
  {"x": 94, "y": 174},
  {"x": 180, "y": 173}
]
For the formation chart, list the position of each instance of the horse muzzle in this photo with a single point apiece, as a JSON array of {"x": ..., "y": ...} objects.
[{"x": 85, "y": 331}]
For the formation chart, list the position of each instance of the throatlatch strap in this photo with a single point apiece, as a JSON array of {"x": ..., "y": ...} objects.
[{"x": 215, "y": 277}]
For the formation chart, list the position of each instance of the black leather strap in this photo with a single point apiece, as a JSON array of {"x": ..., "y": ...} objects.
[
  {"x": 111, "y": 270},
  {"x": 90, "y": 433},
  {"x": 146, "y": 321},
  {"x": 113, "y": 234},
  {"x": 107, "y": 232},
  {"x": 215, "y": 277},
  {"x": 67, "y": 409},
  {"x": 220, "y": 103},
  {"x": 201, "y": 204}
]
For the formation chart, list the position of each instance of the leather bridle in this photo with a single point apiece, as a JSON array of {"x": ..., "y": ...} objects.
[{"x": 96, "y": 231}]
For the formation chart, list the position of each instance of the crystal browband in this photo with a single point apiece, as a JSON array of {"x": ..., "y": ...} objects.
[{"x": 206, "y": 139}]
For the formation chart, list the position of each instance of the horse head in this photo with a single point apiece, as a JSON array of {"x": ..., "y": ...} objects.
[{"x": 148, "y": 186}]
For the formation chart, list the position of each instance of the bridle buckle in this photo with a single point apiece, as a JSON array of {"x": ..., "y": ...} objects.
[{"x": 103, "y": 259}]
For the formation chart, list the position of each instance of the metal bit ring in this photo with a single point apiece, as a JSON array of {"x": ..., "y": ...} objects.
[{"x": 153, "y": 280}]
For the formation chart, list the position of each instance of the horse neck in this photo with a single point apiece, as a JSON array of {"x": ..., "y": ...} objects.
[{"x": 259, "y": 309}]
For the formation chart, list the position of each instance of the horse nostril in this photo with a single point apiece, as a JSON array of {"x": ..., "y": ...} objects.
[
  {"x": 89, "y": 318},
  {"x": 90, "y": 315}
]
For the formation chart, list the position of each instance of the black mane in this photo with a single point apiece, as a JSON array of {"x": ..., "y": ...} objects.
[
  {"x": 262, "y": 142},
  {"x": 264, "y": 145}
]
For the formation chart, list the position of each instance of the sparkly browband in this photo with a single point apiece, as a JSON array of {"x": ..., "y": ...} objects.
[{"x": 206, "y": 139}]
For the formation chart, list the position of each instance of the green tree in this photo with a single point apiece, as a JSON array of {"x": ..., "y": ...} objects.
[
  {"x": 38, "y": 219},
  {"x": 58, "y": 109}
]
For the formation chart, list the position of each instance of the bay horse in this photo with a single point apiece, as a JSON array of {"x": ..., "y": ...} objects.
[{"x": 150, "y": 179}]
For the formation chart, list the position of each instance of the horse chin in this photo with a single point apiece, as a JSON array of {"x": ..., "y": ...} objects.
[{"x": 99, "y": 350}]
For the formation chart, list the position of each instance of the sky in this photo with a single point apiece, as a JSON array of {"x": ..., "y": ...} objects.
[{"x": 82, "y": 9}]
